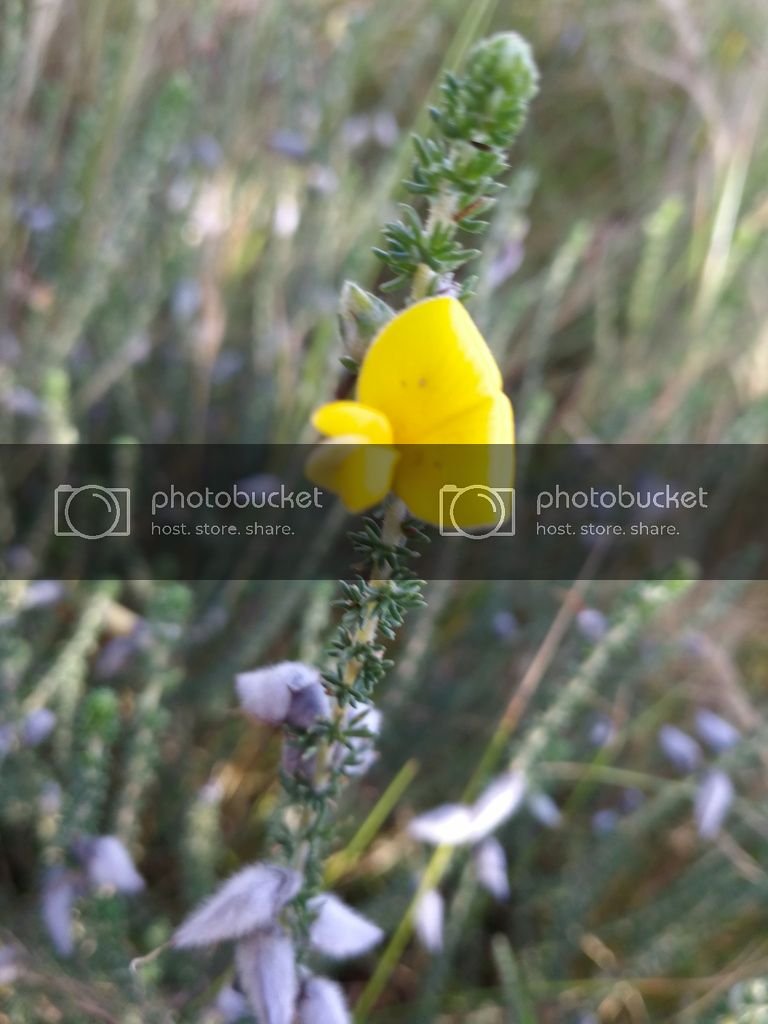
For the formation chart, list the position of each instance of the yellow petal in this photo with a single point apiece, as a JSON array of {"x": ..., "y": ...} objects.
[
  {"x": 337, "y": 418},
  {"x": 358, "y": 471},
  {"x": 425, "y": 367},
  {"x": 473, "y": 454}
]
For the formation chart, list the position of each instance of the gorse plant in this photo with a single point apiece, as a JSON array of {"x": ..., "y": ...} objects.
[{"x": 329, "y": 719}]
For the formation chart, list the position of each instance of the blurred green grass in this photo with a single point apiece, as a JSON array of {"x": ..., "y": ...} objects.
[{"x": 183, "y": 189}]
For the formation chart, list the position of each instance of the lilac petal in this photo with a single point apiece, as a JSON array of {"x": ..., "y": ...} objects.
[
  {"x": 231, "y": 1005},
  {"x": 428, "y": 920},
  {"x": 322, "y": 1002},
  {"x": 712, "y": 803},
  {"x": 448, "y": 825},
  {"x": 248, "y": 901},
  {"x": 681, "y": 750},
  {"x": 491, "y": 868},
  {"x": 266, "y": 967},
  {"x": 716, "y": 732},
  {"x": 497, "y": 803},
  {"x": 545, "y": 810},
  {"x": 58, "y": 898},
  {"x": 109, "y": 866},
  {"x": 339, "y": 931}
]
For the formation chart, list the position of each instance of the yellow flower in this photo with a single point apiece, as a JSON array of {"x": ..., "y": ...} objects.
[{"x": 429, "y": 412}]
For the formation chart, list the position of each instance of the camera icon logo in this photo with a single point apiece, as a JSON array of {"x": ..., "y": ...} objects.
[
  {"x": 91, "y": 512},
  {"x": 493, "y": 506}
]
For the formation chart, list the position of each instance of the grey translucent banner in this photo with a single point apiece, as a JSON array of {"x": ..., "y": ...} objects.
[{"x": 191, "y": 512}]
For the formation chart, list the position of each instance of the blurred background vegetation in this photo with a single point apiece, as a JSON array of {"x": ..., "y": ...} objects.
[{"x": 184, "y": 186}]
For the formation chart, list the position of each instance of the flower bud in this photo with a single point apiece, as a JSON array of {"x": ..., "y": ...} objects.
[{"x": 361, "y": 317}]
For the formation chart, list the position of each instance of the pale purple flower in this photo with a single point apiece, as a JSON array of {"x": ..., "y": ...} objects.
[
  {"x": 681, "y": 750},
  {"x": 592, "y": 624},
  {"x": 338, "y": 931},
  {"x": 287, "y": 693},
  {"x": 602, "y": 731},
  {"x": 266, "y": 967},
  {"x": 322, "y": 1002},
  {"x": 116, "y": 654},
  {"x": 247, "y": 902},
  {"x": 605, "y": 821},
  {"x": 545, "y": 810},
  {"x": 491, "y": 868},
  {"x": 56, "y": 905},
  {"x": 109, "y": 866},
  {"x": 712, "y": 803},
  {"x": 428, "y": 920},
  {"x": 716, "y": 732},
  {"x": 505, "y": 625},
  {"x": 37, "y": 727},
  {"x": 40, "y": 593}
]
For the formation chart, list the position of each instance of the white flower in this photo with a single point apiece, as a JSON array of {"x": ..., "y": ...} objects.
[
  {"x": 37, "y": 727},
  {"x": 247, "y": 902},
  {"x": 545, "y": 810},
  {"x": 58, "y": 898},
  {"x": 289, "y": 692},
  {"x": 712, "y": 803},
  {"x": 322, "y": 1002},
  {"x": 266, "y": 967},
  {"x": 681, "y": 750},
  {"x": 497, "y": 803},
  {"x": 428, "y": 920},
  {"x": 448, "y": 825},
  {"x": 339, "y": 931},
  {"x": 491, "y": 868},
  {"x": 457, "y": 824},
  {"x": 109, "y": 866},
  {"x": 716, "y": 732}
]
